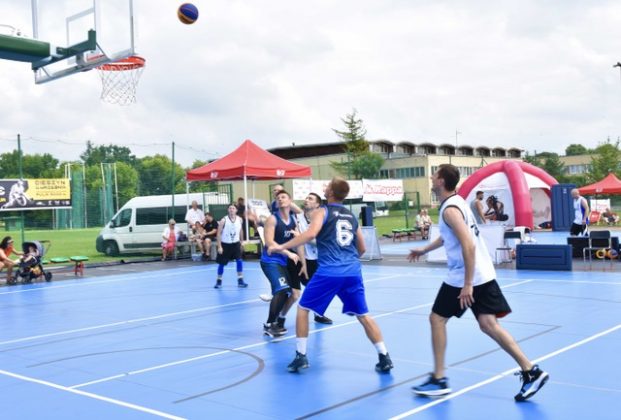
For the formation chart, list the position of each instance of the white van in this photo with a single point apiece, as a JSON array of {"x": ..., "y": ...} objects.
[{"x": 138, "y": 225}]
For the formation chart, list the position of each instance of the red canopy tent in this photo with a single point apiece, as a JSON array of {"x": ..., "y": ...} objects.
[
  {"x": 609, "y": 185},
  {"x": 246, "y": 162}
]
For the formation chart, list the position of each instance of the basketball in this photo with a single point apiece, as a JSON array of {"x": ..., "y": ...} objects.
[{"x": 187, "y": 13}]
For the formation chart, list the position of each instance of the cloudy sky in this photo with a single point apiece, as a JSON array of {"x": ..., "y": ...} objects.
[{"x": 532, "y": 74}]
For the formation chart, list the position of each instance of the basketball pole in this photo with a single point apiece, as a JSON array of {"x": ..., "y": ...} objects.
[{"x": 21, "y": 176}]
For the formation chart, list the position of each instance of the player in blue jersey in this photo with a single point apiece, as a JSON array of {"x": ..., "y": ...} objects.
[
  {"x": 279, "y": 228},
  {"x": 339, "y": 243}
]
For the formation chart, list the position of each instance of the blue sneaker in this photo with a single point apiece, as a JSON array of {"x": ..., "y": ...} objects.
[
  {"x": 241, "y": 283},
  {"x": 532, "y": 381},
  {"x": 218, "y": 284},
  {"x": 300, "y": 362},
  {"x": 432, "y": 387}
]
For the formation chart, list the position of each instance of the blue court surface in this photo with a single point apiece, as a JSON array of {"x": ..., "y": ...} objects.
[{"x": 162, "y": 343}]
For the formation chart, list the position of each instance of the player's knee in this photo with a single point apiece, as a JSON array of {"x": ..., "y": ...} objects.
[
  {"x": 435, "y": 319},
  {"x": 487, "y": 325}
]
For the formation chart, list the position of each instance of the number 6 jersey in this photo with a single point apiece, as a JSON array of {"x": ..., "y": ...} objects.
[{"x": 336, "y": 243}]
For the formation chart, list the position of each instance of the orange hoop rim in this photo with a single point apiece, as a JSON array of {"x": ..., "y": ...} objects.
[{"x": 132, "y": 62}]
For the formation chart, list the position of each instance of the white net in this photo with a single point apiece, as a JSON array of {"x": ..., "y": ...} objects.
[{"x": 119, "y": 80}]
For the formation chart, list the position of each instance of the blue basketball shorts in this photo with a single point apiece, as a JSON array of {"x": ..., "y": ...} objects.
[
  {"x": 277, "y": 276},
  {"x": 322, "y": 289}
]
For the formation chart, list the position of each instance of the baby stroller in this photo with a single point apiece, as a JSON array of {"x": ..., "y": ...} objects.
[{"x": 30, "y": 266}]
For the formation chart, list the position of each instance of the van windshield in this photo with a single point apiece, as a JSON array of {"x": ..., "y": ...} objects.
[{"x": 123, "y": 218}]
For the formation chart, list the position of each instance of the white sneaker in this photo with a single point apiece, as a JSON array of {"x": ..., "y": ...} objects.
[{"x": 265, "y": 297}]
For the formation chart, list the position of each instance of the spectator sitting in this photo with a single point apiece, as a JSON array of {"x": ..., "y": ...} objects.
[
  {"x": 198, "y": 236},
  {"x": 211, "y": 231},
  {"x": 6, "y": 248},
  {"x": 170, "y": 236},
  {"x": 610, "y": 217}
]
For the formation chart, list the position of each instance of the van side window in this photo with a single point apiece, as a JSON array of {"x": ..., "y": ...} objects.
[{"x": 152, "y": 216}]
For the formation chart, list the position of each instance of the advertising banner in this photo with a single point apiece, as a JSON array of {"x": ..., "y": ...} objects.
[
  {"x": 35, "y": 194},
  {"x": 374, "y": 190},
  {"x": 301, "y": 188}
]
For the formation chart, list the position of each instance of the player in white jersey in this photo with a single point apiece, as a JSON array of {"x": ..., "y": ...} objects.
[
  {"x": 580, "y": 223},
  {"x": 230, "y": 238},
  {"x": 470, "y": 284}
]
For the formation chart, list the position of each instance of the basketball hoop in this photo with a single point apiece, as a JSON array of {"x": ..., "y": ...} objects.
[{"x": 119, "y": 80}]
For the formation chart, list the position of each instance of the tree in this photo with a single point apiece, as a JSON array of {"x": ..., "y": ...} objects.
[
  {"x": 127, "y": 182},
  {"x": 360, "y": 161},
  {"x": 575, "y": 150},
  {"x": 549, "y": 162},
  {"x": 354, "y": 136},
  {"x": 94, "y": 155},
  {"x": 367, "y": 165},
  {"x": 33, "y": 166},
  {"x": 155, "y": 176},
  {"x": 554, "y": 167},
  {"x": 605, "y": 160}
]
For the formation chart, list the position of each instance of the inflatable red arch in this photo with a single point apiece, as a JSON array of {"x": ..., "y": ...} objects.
[{"x": 514, "y": 171}]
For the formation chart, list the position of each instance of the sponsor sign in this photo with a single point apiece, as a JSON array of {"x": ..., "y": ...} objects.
[{"x": 34, "y": 194}]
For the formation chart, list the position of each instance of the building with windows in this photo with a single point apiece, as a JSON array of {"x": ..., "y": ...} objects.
[{"x": 412, "y": 162}]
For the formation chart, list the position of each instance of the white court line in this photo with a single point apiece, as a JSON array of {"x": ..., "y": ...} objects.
[
  {"x": 132, "y": 277},
  {"x": 246, "y": 347},
  {"x": 93, "y": 396},
  {"x": 262, "y": 343},
  {"x": 150, "y": 318},
  {"x": 129, "y": 321},
  {"x": 148, "y": 275},
  {"x": 503, "y": 374}
]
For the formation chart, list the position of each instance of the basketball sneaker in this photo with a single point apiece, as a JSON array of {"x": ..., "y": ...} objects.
[
  {"x": 323, "y": 319},
  {"x": 241, "y": 283},
  {"x": 384, "y": 364},
  {"x": 432, "y": 387},
  {"x": 300, "y": 362},
  {"x": 265, "y": 297},
  {"x": 532, "y": 381},
  {"x": 273, "y": 330},
  {"x": 218, "y": 284}
]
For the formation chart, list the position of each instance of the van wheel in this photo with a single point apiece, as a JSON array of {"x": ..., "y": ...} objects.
[{"x": 111, "y": 249}]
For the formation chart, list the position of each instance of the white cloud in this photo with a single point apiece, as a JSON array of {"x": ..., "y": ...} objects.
[{"x": 531, "y": 74}]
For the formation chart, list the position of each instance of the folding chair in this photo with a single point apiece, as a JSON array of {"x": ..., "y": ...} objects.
[
  {"x": 506, "y": 249},
  {"x": 600, "y": 236}
]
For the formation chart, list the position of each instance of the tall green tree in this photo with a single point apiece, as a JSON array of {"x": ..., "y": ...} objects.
[
  {"x": 94, "y": 155},
  {"x": 155, "y": 176},
  {"x": 575, "y": 150},
  {"x": 361, "y": 162},
  {"x": 605, "y": 160},
  {"x": 353, "y": 135},
  {"x": 549, "y": 162},
  {"x": 33, "y": 166}
]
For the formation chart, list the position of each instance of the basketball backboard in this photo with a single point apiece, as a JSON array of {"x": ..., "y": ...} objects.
[{"x": 70, "y": 23}]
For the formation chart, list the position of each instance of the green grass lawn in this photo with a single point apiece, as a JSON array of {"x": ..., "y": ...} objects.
[
  {"x": 67, "y": 243},
  {"x": 396, "y": 219}
]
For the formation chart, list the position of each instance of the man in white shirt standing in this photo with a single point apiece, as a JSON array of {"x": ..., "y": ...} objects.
[
  {"x": 471, "y": 283},
  {"x": 581, "y": 214},
  {"x": 194, "y": 214}
]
